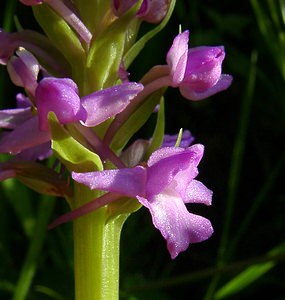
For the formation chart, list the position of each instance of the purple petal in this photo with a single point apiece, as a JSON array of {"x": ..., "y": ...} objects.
[
  {"x": 23, "y": 101},
  {"x": 183, "y": 178},
  {"x": 23, "y": 70},
  {"x": 168, "y": 164},
  {"x": 177, "y": 57},
  {"x": 39, "y": 152},
  {"x": 11, "y": 118},
  {"x": 204, "y": 67},
  {"x": 106, "y": 103},
  {"x": 59, "y": 95},
  {"x": 176, "y": 224},
  {"x": 224, "y": 82},
  {"x": 197, "y": 192},
  {"x": 23, "y": 137},
  {"x": 129, "y": 182},
  {"x": 186, "y": 140},
  {"x": 155, "y": 10},
  {"x": 163, "y": 153}
]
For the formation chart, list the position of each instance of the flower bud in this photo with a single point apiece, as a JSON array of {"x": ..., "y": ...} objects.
[
  {"x": 23, "y": 70},
  {"x": 204, "y": 67},
  {"x": 155, "y": 11},
  {"x": 58, "y": 95},
  {"x": 196, "y": 71},
  {"x": 120, "y": 7},
  {"x": 152, "y": 11}
]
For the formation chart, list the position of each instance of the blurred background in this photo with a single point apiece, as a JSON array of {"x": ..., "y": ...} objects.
[{"x": 242, "y": 129}]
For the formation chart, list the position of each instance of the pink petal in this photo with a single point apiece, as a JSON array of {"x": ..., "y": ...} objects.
[
  {"x": 23, "y": 101},
  {"x": 155, "y": 10},
  {"x": 11, "y": 118},
  {"x": 177, "y": 57},
  {"x": 176, "y": 224},
  {"x": 204, "y": 67},
  {"x": 163, "y": 153},
  {"x": 168, "y": 164},
  {"x": 23, "y": 137},
  {"x": 39, "y": 152},
  {"x": 59, "y": 95},
  {"x": 106, "y": 103},
  {"x": 197, "y": 192},
  {"x": 186, "y": 140},
  {"x": 187, "y": 91},
  {"x": 184, "y": 177},
  {"x": 129, "y": 181},
  {"x": 24, "y": 69}
]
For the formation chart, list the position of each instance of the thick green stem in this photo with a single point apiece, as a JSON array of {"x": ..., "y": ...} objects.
[{"x": 96, "y": 254}]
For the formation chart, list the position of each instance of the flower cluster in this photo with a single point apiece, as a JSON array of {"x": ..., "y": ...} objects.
[{"x": 80, "y": 108}]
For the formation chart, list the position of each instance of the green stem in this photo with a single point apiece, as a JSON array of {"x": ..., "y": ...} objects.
[{"x": 96, "y": 252}]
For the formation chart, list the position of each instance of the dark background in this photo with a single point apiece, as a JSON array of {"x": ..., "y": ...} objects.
[{"x": 242, "y": 129}]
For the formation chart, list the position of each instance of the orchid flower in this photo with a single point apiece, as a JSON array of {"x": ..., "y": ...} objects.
[
  {"x": 156, "y": 11},
  {"x": 196, "y": 71},
  {"x": 60, "y": 95},
  {"x": 163, "y": 186},
  {"x": 24, "y": 69},
  {"x": 25, "y": 132}
]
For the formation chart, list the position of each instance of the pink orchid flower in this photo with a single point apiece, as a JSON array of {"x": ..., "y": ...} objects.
[
  {"x": 196, "y": 71},
  {"x": 163, "y": 186},
  {"x": 60, "y": 95}
]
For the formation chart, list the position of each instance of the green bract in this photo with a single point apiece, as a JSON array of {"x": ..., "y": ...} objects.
[
  {"x": 106, "y": 51},
  {"x": 70, "y": 152}
]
